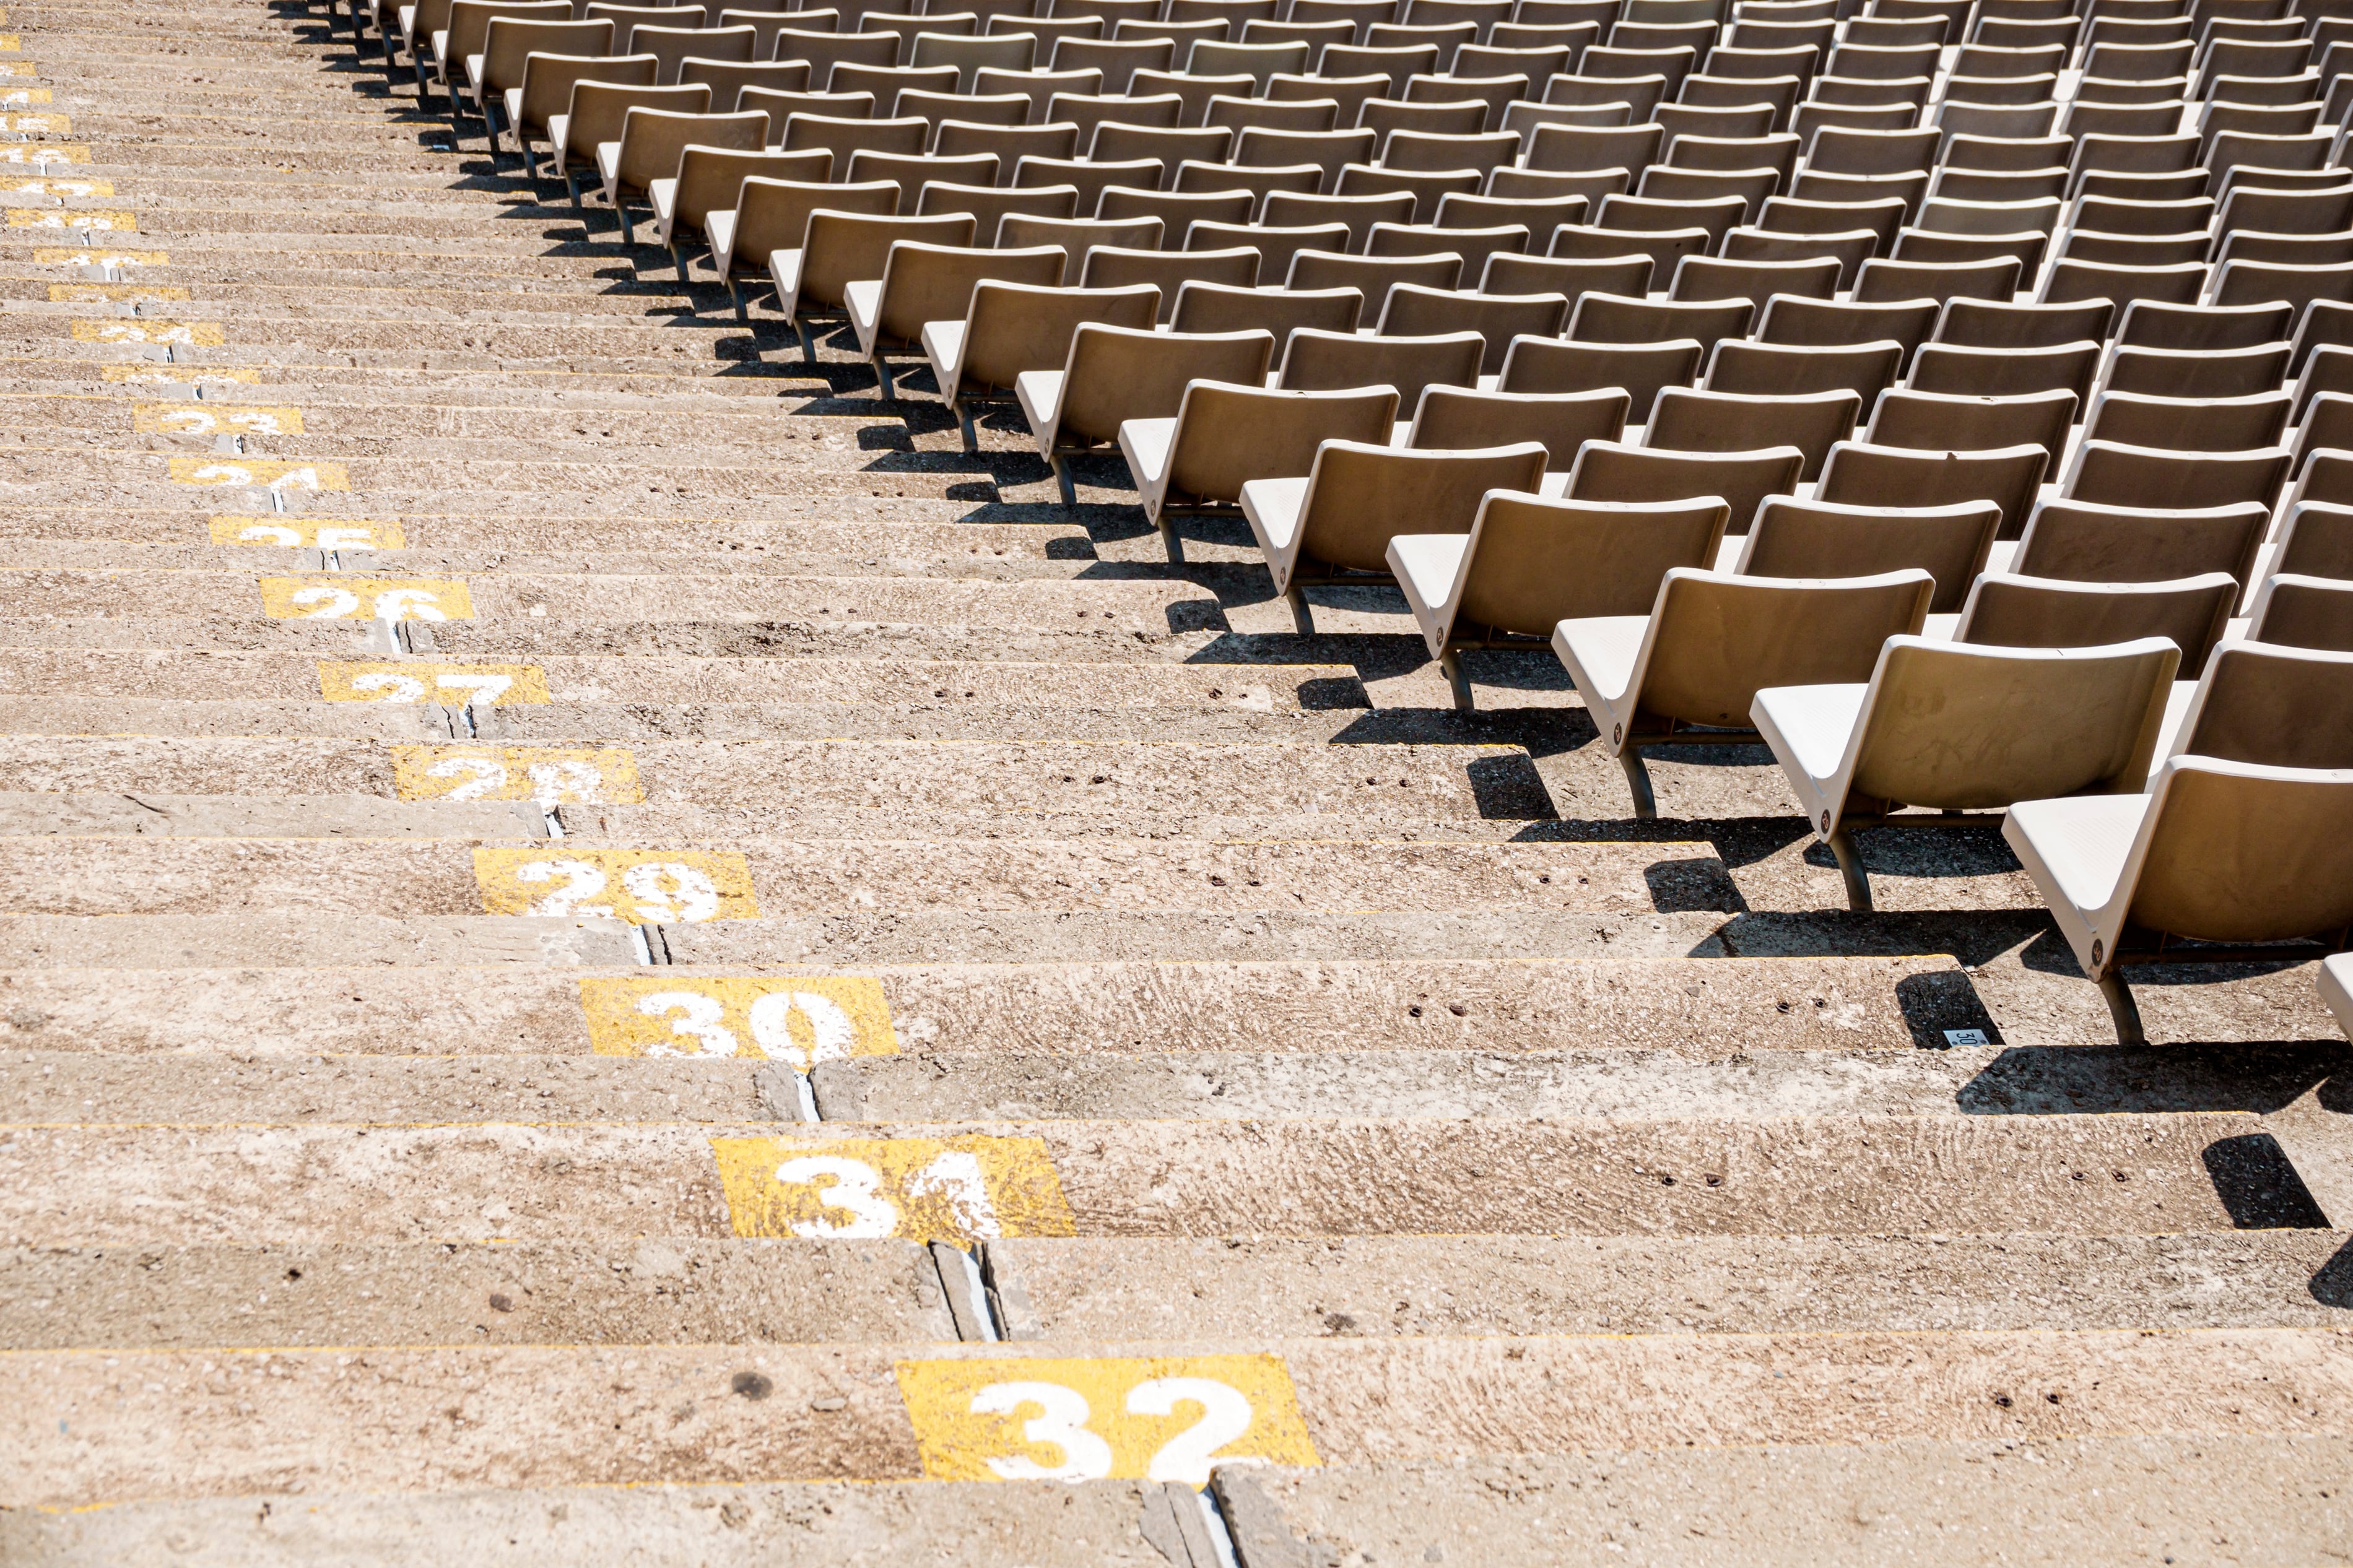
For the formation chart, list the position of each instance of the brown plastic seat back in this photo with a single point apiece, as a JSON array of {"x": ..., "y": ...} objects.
[
  {"x": 1792, "y": 538},
  {"x": 925, "y": 282},
  {"x": 1214, "y": 308},
  {"x": 1859, "y": 473},
  {"x": 1117, "y": 373},
  {"x": 1691, "y": 421},
  {"x": 2318, "y": 541},
  {"x": 1015, "y": 326},
  {"x": 1460, "y": 418},
  {"x": 1328, "y": 362},
  {"x": 842, "y": 249},
  {"x": 1612, "y": 471},
  {"x": 2011, "y": 611},
  {"x": 1962, "y": 728},
  {"x": 1361, "y": 495},
  {"x": 2306, "y": 611},
  {"x": 1551, "y": 364},
  {"x": 2281, "y": 707},
  {"x": 548, "y": 81},
  {"x": 1941, "y": 422},
  {"x": 2078, "y": 542},
  {"x": 1537, "y": 562},
  {"x": 1227, "y": 435},
  {"x": 774, "y": 215},
  {"x": 2118, "y": 475},
  {"x": 1414, "y": 312},
  {"x": 2234, "y": 858},
  {"x": 654, "y": 142},
  {"x": 599, "y": 109},
  {"x": 1718, "y": 639}
]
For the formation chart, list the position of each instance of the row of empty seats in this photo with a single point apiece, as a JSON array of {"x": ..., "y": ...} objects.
[{"x": 1956, "y": 399}]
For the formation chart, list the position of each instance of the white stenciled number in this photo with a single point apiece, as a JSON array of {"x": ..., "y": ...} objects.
[
  {"x": 481, "y": 775},
  {"x": 224, "y": 473},
  {"x": 553, "y": 783},
  {"x": 333, "y": 603},
  {"x": 347, "y": 539},
  {"x": 582, "y": 882},
  {"x": 269, "y": 533},
  {"x": 395, "y": 688},
  {"x": 485, "y": 688},
  {"x": 855, "y": 1189},
  {"x": 255, "y": 420},
  {"x": 1061, "y": 1421},
  {"x": 698, "y": 1020},
  {"x": 409, "y": 604},
  {"x": 832, "y": 1034},
  {"x": 689, "y": 897},
  {"x": 296, "y": 479},
  {"x": 1225, "y": 1417},
  {"x": 955, "y": 1176},
  {"x": 193, "y": 421}
]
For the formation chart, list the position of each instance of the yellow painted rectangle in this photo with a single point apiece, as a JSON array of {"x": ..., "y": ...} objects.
[
  {"x": 97, "y": 256},
  {"x": 152, "y": 374},
  {"x": 150, "y": 330},
  {"x": 800, "y": 1019},
  {"x": 962, "y": 1190},
  {"x": 418, "y": 681},
  {"x": 26, "y": 98},
  {"x": 44, "y": 151},
  {"x": 345, "y": 596},
  {"x": 97, "y": 220},
  {"x": 552, "y": 775},
  {"x": 307, "y": 533},
  {"x": 18, "y": 67},
  {"x": 115, "y": 293},
  {"x": 643, "y": 887},
  {"x": 49, "y": 123},
  {"x": 1159, "y": 1419},
  {"x": 213, "y": 419},
  {"x": 270, "y": 473}
]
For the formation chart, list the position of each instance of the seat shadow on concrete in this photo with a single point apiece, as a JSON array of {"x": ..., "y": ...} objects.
[
  {"x": 2075, "y": 1081},
  {"x": 2333, "y": 1285}
]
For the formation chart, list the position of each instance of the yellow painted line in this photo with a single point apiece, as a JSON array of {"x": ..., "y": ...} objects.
[
  {"x": 64, "y": 189},
  {"x": 11, "y": 42},
  {"x": 115, "y": 293},
  {"x": 18, "y": 67},
  {"x": 417, "y": 680},
  {"x": 923, "y": 1189},
  {"x": 50, "y": 123},
  {"x": 272, "y": 473},
  {"x": 306, "y": 533},
  {"x": 44, "y": 151},
  {"x": 176, "y": 375},
  {"x": 85, "y": 256},
  {"x": 1161, "y": 1419},
  {"x": 339, "y": 597},
  {"x": 552, "y": 775},
  {"x": 146, "y": 330},
  {"x": 23, "y": 97},
  {"x": 207, "y": 419},
  {"x": 643, "y": 887},
  {"x": 803, "y": 1020},
  {"x": 95, "y": 219}
]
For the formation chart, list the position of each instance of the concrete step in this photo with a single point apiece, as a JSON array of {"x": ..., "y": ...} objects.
[
  {"x": 890, "y": 536},
  {"x": 1142, "y": 610},
  {"x": 159, "y": 673},
  {"x": 1351, "y": 788},
  {"x": 745, "y": 878},
  {"x": 172, "y": 1425},
  {"x": 1982, "y": 1501},
  {"x": 1742, "y": 1175},
  {"x": 1399, "y": 1287},
  {"x": 1718, "y": 1010},
  {"x": 918, "y": 1524},
  {"x": 1605, "y": 1080},
  {"x": 732, "y": 1291}
]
